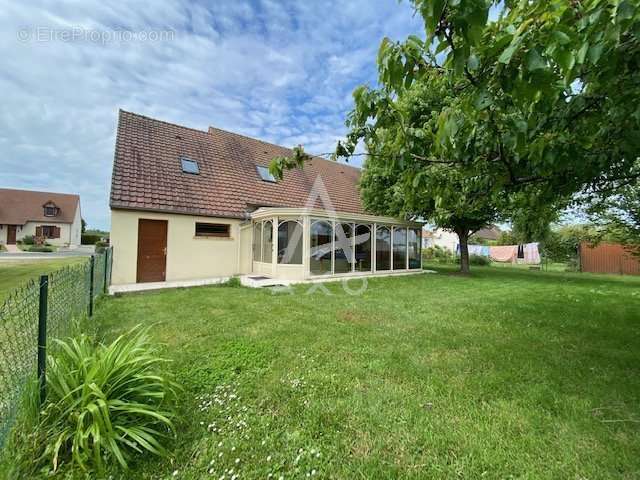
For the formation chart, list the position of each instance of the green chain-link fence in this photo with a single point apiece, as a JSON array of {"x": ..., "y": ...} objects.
[{"x": 69, "y": 295}]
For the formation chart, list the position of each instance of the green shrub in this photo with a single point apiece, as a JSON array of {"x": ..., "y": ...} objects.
[
  {"x": 89, "y": 238},
  {"x": 101, "y": 247},
  {"x": 479, "y": 260},
  {"x": 438, "y": 254},
  {"x": 573, "y": 265},
  {"x": 232, "y": 282},
  {"x": 105, "y": 402},
  {"x": 41, "y": 248},
  {"x": 28, "y": 240}
]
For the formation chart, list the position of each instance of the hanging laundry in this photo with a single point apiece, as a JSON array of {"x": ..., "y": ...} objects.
[
  {"x": 504, "y": 253},
  {"x": 479, "y": 250},
  {"x": 521, "y": 251},
  {"x": 531, "y": 253}
]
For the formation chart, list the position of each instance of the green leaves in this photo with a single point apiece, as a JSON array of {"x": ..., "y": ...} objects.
[
  {"x": 505, "y": 56},
  {"x": 534, "y": 61},
  {"x": 565, "y": 59},
  {"x": 278, "y": 165},
  {"x": 626, "y": 10},
  {"x": 385, "y": 46},
  {"x": 482, "y": 99},
  {"x": 473, "y": 63},
  {"x": 105, "y": 402},
  {"x": 501, "y": 119},
  {"x": 595, "y": 52},
  {"x": 560, "y": 37},
  {"x": 431, "y": 11}
]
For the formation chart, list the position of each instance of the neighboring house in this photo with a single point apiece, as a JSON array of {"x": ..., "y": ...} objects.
[
  {"x": 490, "y": 234},
  {"x": 54, "y": 216},
  {"x": 188, "y": 204},
  {"x": 427, "y": 238},
  {"x": 441, "y": 238},
  {"x": 449, "y": 240}
]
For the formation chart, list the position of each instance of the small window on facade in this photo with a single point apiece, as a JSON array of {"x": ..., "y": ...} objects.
[
  {"x": 189, "y": 166},
  {"x": 212, "y": 230},
  {"x": 48, "y": 231},
  {"x": 50, "y": 210},
  {"x": 265, "y": 174}
]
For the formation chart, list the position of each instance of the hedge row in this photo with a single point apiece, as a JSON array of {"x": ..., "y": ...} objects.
[{"x": 89, "y": 239}]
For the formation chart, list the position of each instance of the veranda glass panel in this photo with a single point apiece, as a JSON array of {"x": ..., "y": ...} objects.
[
  {"x": 414, "y": 248},
  {"x": 257, "y": 237},
  {"x": 363, "y": 248},
  {"x": 399, "y": 248},
  {"x": 321, "y": 245},
  {"x": 267, "y": 241},
  {"x": 290, "y": 243},
  {"x": 344, "y": 257},
  {"x": 383, "y": 249}
]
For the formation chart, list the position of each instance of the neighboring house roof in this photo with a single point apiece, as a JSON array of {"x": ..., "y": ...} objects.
[
  {"x": 490, "y": 233},
  {"x": 18, "y": 207},
  {"x": 147, "y": 173}
]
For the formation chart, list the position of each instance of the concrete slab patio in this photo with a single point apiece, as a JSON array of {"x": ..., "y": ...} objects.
[{"x": 253, "y": 280}]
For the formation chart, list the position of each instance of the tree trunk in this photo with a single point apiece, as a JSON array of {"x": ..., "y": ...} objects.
[{"x": 463, "y": 235}]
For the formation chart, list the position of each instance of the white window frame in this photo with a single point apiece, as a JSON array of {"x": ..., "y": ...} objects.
[{"x": 301, "y": 224}]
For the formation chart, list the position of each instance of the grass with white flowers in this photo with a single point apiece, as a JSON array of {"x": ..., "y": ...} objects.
[{"x": 505, "y": 374}]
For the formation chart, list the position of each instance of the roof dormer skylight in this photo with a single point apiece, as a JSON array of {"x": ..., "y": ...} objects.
[
  {"x": 265, "y": 174},
  {"x": 189, "y": 166}
]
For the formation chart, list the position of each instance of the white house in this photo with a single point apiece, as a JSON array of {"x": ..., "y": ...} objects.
[
  {"x": 450, "y": 241},
  {"x": 190, "y": 204},
  {"x": 54, "y": 216}
]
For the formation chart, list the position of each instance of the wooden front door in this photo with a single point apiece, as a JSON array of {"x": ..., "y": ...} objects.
[
  {"x": 11, "y": 234},
  {"x": 152, "y": 251}
]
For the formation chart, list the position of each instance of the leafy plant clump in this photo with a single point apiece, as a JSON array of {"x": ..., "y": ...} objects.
[
  {"x": 439, "y": 254},
  {"x": 479, "y": 260},
  {"x": 233, "y": 282},
  {"x": 105, "y": 402},
  {"x": 41, "y": 248}
]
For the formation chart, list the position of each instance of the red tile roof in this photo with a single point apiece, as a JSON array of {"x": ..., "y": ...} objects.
[
  {"x": 489, "y": 233},
  {"x": 18, "y": 207},
  {"x": 147, "y": 174}
]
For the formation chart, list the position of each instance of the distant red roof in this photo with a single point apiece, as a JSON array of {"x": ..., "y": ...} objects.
[
  {"x": 490, "y": 233},
  {"x": 18, "y": 207},
  {"x": 147, "y": 174}
]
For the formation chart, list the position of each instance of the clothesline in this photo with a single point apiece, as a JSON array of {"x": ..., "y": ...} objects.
[{"x": 524, "y": 253}]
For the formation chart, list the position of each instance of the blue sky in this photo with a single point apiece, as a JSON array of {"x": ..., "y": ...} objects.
[{"x": 282, "y": 71}]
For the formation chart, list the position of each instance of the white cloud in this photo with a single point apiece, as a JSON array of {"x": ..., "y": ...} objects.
[{"x": 281, "y": 71}]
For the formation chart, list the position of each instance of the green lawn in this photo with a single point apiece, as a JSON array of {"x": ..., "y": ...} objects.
[
  {"x": 507, "y": 374},
  {"x": 545, "y": 266},
  {"x": 14, "y": 273}
]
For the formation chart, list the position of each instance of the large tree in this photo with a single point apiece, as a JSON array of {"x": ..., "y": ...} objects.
[
  {"x": 403, "y": 177},
  {"x": 618, "y": 217},
  {"x": 537, "y": 104}
]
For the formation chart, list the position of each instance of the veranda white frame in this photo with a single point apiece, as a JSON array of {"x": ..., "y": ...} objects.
[{"x": 306, "y": 217}]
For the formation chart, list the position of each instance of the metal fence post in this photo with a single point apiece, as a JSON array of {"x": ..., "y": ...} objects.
[
  {"x": 42, "y": 336},
  {"x": 92, "y": 265},
  {"x": 110, "y": 250},
  {"x": 106, "y": 272}
]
